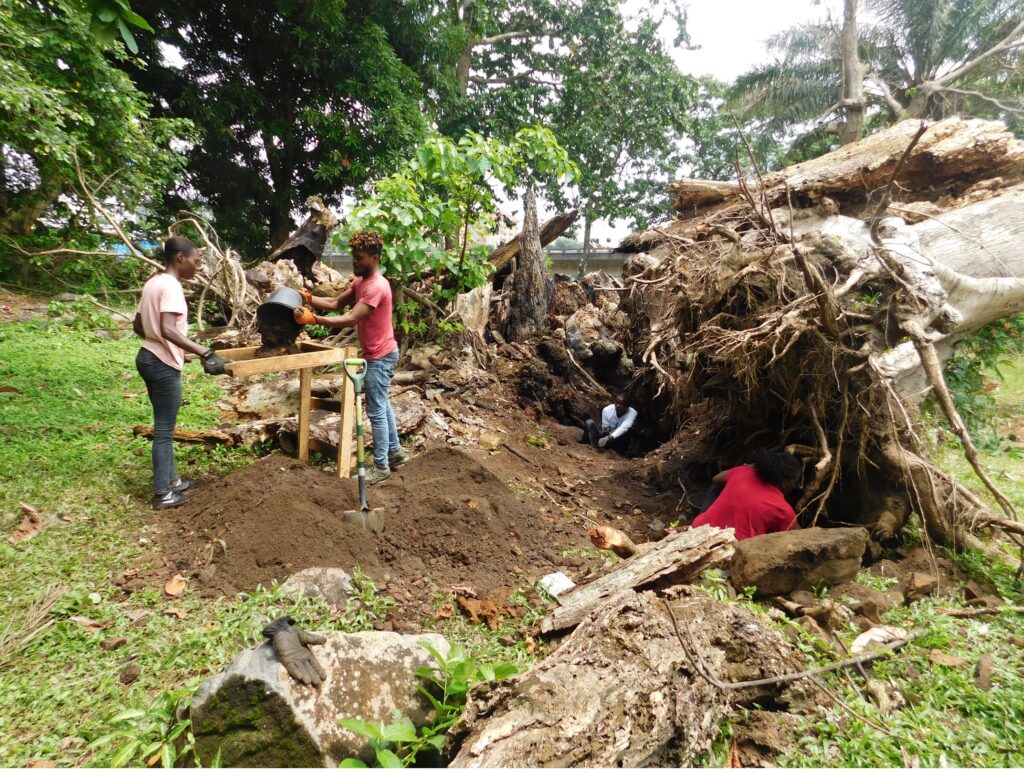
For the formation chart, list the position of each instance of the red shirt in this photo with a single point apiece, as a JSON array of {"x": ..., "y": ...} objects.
[
  {"x": 376, "y": 334},
  {"x": 749, "y": 505}
]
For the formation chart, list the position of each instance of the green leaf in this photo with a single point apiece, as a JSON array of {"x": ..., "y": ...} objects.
[
  {"x": 367, "y": 729},
  {"x": 403, "y": 731},
  {"x": 128, "y": 715},
  {"x": 168, "y": 756},
  {"x": 133, "y": 18},
  {"x": 352, "y": 764},
  {"x": 388, "y": 759},
  {"x": 125, "y": 755}
]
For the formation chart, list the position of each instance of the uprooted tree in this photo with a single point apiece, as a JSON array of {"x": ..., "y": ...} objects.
[{"x": 801, "y": 308}]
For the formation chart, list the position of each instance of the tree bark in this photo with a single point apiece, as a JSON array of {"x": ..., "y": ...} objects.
[
  {"x": 587, "y": 222},
  {"x": 851, "y": 95},
  {"x": 621, "y": 691},
  {"x": 531, "y": 286}
]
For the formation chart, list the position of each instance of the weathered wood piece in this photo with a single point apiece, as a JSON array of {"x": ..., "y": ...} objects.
[
  {"x": 241, "y": 362},
  {"x": 305, "y": 383},
  {"x": 681, "y": 555},
  {"x": 621, "y": 692}
]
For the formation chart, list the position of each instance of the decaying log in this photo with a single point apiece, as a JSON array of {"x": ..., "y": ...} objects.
[
  {"x": 680, "y": 556},
  {"x": 549, "y": 231},
  {"x": 621, "y": 692},
  {"x": 236, "y": 435},
  {"x": 954, "y": 153}
]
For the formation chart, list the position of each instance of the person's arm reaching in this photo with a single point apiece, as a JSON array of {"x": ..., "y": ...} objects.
[
  {"x": 358, "y": 312},
  {"x": 344, "y": 300},
  {"x": 626, "y": 424}
]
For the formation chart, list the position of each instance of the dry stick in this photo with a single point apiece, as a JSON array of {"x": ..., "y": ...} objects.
[
  {"x": 694, "y": 653},
  {"x": 930, "y": 361},
  {"x": 981, "y": 612},
  {"x": 839, "y": 701},
  {"x": 111, "y": 220},
  {"x": 883, "y": 205},
  {"x": 517, "y": 453},
  {"x": 587, "y": 375}
]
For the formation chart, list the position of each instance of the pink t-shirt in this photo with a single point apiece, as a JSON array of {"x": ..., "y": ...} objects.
[
  {"x": 376, "y": 334},
  {"x": 750, "y": 505},
  {"x": 163, "y": 294}
]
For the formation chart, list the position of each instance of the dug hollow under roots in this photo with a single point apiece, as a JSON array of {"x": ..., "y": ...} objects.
[{"x": 751, "y": 337}]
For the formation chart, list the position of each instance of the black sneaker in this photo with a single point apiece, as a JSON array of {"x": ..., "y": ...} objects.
[
  {"x": 169, "y": 500},
  {"x": 398, "y": 457},
  {"x": 185, "y": 485}
]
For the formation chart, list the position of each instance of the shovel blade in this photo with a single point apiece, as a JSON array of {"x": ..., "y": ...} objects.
[{"x": 370, "y": 519}]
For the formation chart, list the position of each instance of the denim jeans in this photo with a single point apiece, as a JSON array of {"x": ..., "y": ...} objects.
[
  {"x": 163, "y": 383},
  {"x": 379, "y": 373}
]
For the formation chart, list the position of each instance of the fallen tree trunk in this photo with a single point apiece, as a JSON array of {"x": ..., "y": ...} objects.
[
  {"x": 242, "y": 434},
  {"x": 621, "y": 691},
  {"x": 677, "y": 558}
]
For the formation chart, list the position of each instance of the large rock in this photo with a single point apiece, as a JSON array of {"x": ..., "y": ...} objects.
[
  {"x": 331, "y": 584},
  {"x": 778, "y": 563},
  {"x": 255, "y": 715}
]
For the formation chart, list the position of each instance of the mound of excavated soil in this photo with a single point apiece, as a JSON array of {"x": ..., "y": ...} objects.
[{"x": 448, "y": 521}]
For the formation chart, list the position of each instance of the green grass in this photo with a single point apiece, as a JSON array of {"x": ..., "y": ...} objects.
[{"x": 68, "y": 403}]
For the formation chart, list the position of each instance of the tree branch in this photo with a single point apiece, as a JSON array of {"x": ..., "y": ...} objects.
[
  {"x": 986, "y": 98},
  {"x": 1004, "y": 45},
  {"x": 890, "y": 100},
  {"x": 512, "y": 36}
]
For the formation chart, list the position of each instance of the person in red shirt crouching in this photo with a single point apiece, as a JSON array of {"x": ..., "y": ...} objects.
[{"x": 752, "y": 499}]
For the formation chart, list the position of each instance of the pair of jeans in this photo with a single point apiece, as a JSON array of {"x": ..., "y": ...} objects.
[
  {"x": 163, "y": 384},
  {"x": 379, "y": 373}
]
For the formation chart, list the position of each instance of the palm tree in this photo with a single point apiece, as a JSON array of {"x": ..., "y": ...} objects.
[{"x": 916, "y": 59}]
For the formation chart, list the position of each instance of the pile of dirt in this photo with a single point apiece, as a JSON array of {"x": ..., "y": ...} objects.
[{"x": 448, "y": 521}]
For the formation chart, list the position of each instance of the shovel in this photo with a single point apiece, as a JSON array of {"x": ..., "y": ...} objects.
[{"x": 371, "y": 519}]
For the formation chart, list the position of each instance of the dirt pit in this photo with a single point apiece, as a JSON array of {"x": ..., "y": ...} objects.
[{"x": 448, "y": 521}]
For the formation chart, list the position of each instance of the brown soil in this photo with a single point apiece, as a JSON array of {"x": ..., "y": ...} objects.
[{"x": 449, "y": 520}]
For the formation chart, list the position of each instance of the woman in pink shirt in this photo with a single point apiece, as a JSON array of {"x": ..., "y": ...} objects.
[{"x": 162, "y": 321}]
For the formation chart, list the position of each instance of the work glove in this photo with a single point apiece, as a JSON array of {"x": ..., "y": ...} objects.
[
  {"x": 304, "y": 315},
  {"x": 603, "y": 442},
  {"x": 291, "y": 646},
  {"x": 213, "y": 363},
  {"x": 307, "y": 296}
]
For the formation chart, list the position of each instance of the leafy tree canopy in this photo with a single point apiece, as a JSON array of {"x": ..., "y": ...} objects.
[
  {"x": 62, "y": 103},
  {"x": 433, "y": 211},
  {"x": 604, "y": 84},
  {"x": 293, "y": 98}
]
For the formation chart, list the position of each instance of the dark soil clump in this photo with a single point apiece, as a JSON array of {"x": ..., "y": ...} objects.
[{"x": 448, "y": 521}]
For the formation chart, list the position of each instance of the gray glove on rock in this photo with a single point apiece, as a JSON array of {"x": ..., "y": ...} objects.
[
  {"x": 291, "y": 645},
  {"x": 603, "y": 442}
]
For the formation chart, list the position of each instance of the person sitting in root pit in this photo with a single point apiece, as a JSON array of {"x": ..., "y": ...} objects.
[
  {"x": 616, "y": 420},
  {"x": 752, "y": 499}
]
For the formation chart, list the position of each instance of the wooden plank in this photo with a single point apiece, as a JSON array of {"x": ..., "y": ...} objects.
[
  {"x": 686, "y": 553},
  {"x": 305, "y": 384},
  {"x": 301, "y": 361},
  {"x": 348, "y": 411}
]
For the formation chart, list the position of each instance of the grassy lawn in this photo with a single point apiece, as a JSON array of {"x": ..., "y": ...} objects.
[
  {"x": 68, "y": 400},
  {"x": 67, "y": 405}
]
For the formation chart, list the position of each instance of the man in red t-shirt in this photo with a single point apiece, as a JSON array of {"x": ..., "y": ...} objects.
[
  {"x": 369, "y": 296},
  {"x": 753, "y": 499}
]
